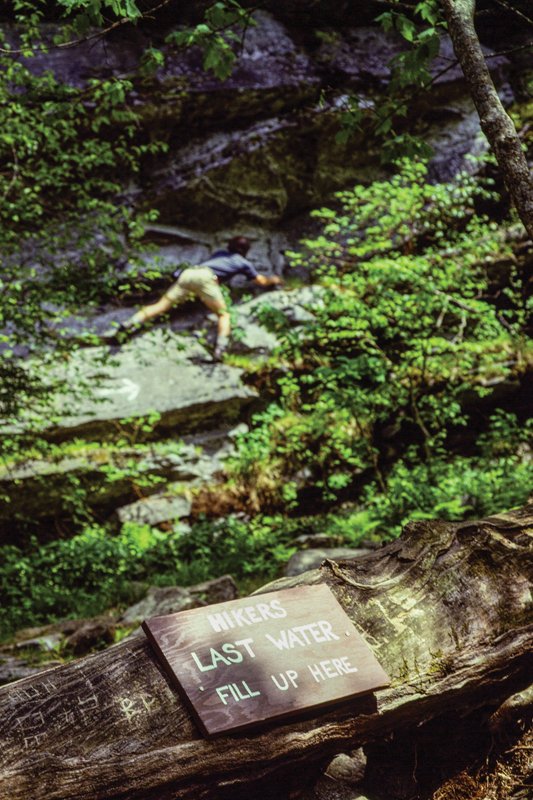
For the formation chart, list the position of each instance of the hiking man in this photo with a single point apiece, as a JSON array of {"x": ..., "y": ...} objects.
[{"x": 203, "y": 281}]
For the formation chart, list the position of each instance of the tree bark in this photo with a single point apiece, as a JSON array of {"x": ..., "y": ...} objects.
[
  {"x": 496, "y": 124},
  {"x": 444, "y": 608}
]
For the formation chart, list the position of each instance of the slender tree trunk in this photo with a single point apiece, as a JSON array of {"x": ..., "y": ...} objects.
[
  {"x": 497, "y": 126},
  {"x": 445, "y": 609}
]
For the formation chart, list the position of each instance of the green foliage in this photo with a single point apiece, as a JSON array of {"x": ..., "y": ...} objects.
[
  {"x": 453, "y": 489},
  {"x": 219, "y": 36},
  {"x": 96, "y": 570},
  {"x": 66, "y": 227},
  {"x": 93, "y": 571},
  {"x": 85, "y": 14},
  {"x": 407, "y": 334},
  {"x": 421, "y": 29}
]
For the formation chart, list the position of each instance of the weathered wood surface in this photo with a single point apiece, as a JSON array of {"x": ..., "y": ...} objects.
[{"x": 446, "y": 609}]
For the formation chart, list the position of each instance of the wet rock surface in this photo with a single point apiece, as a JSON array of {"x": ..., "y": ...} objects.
[
  {"x": 155, "y": 373},
  {"x": 258, "y": 148}
]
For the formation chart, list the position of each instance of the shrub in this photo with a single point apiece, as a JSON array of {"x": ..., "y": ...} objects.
[{"x": 410, "y": 334}]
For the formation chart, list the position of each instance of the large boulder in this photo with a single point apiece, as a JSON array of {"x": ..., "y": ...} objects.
[
  {"x": 107, "y": 476},
  {"x": 291, "y": 308},
  {"x": 171, "y": 599},
  {"x": 164, "y": 507},
  {"x": 258, "y": 147},
  {"x": 158, "y": 374}
]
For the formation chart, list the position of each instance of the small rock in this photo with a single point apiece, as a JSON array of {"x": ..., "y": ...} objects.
[
  {"x": 348, "y": 768},
  {"x": 311, "y": 559},
  {"x": 43, "y": 644},
  {"x": 218, "y": 590},
  {"x": 238, "y": 430},
  {"x": 328, "y": 789},
  {"x": 91, "y": 635}
]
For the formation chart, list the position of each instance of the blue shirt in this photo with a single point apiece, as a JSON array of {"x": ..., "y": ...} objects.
[{"x": 226, "y": 265}]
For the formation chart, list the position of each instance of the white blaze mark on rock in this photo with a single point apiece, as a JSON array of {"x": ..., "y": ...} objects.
[{"x": 126, "y": 387}]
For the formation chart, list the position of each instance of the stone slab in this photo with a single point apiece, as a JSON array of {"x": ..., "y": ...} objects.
[{"x": 156, "y": 372}]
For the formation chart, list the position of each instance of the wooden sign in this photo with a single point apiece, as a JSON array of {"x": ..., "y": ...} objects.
[{"x": 246, "y": 661}]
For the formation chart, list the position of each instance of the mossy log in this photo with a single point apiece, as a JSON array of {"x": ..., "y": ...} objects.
[{"x": 445, "y": 609}]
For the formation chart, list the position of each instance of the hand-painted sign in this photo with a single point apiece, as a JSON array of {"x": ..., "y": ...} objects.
[{"x": 246, "y": 661}]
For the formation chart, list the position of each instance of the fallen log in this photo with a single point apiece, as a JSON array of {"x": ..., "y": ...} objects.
[{"x": 445, "y": 609}]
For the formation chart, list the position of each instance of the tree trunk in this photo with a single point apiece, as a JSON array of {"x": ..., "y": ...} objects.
[
  {"x": 497, "y": 126},
  {"x": 444, "y": 608}
]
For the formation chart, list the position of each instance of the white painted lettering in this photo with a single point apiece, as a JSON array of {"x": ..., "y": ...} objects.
[
  {"x": 234, "y": 656},
  {"x": 347, "y": 666},
  {"x": 222, "y": 693},
  {"x": 325, "y": 627},
  {"x": 302, "y": 635},
  {"x": 249, "y": 691},
  {"x": 284, "y": 678},
  {"x": 314, "y": 669},
  {"x": 218, "y": 622},
  {"x": 228, "y": 654},
  {"x": 252, "y": 614},
  {"x": 265, "y": 611},
  {"x": 238, "y": 693},
  {"x": 331, "y": 668},
  {"x": 201, "y": 667},
  {"x": 276, "y": 606},
  {"x": 246, "y": 644},
  {"x": 280, "y": 643},
  {"x": 249, "y": 615},
  {"x": 328, "y": 668}
]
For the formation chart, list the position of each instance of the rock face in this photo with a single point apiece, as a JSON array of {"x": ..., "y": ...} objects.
[
  {"x": 166, "y": 376},
  {"x": 161, "y": 384},
  {"x": 259, "y": 147},
  {"x": 109, "y": 475},
  {"x": 158, "y": 373}
]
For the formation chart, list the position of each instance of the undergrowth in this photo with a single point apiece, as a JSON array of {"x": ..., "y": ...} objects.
[{"x": 386, "y": 409}]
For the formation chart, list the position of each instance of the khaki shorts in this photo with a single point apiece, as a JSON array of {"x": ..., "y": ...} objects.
[{"x": 196, "y": 282}]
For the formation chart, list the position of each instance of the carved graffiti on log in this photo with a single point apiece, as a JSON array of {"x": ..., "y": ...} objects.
[{"x": 446, "y": 609}]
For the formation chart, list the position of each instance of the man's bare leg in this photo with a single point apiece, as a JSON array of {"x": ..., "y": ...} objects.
[
  {"x": 223, "y": 325},
  {"x": 149, "y": 312}
]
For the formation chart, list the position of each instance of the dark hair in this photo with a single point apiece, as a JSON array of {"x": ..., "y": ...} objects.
[{"x": 239, "y": 244}]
